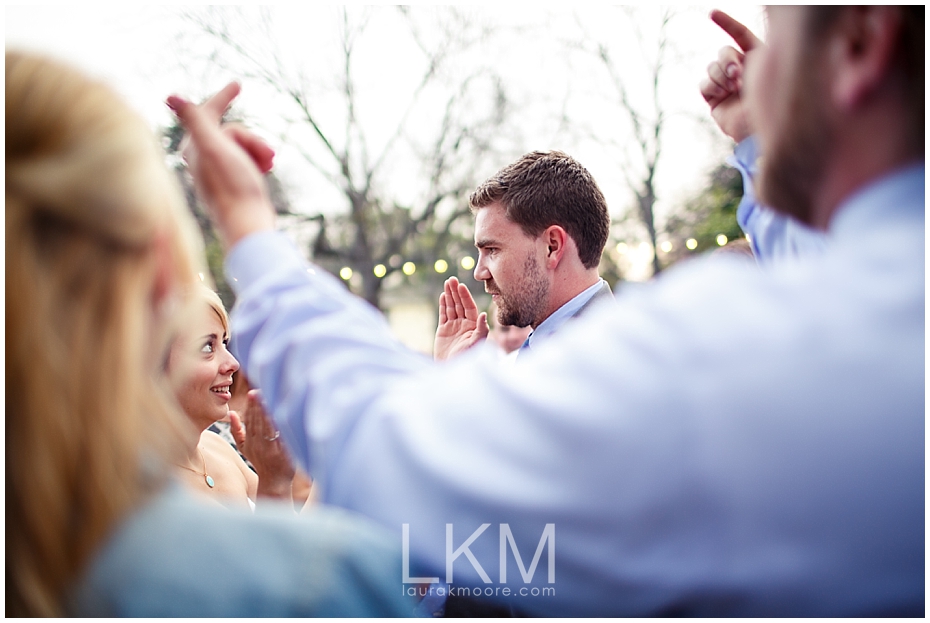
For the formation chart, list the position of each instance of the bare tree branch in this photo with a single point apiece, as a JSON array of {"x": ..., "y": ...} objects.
[
  {"x": 375, "y": 226},
  {"x": 646, "y": 125}
]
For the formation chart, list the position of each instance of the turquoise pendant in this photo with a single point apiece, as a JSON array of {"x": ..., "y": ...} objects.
[{"x": 209, "y": 480}]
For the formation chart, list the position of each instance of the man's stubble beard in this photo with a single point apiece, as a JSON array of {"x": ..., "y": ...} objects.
[
  {"x": 525, "y": 307},
  {"x": 793, "y": 166}
]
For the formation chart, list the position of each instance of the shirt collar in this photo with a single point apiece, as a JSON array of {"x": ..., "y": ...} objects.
[{"x": 552, "y": 324}]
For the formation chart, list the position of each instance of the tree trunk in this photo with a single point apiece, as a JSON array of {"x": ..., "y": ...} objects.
[
  {"x": 647, "y": 201},
  {"x": 371, "y": 288}
]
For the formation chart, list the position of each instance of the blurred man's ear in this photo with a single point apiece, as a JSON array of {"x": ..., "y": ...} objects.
[{"x": 861, "y": 52}]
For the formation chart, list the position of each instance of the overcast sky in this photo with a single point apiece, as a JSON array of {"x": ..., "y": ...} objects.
[{"x": 137, "y": 50}]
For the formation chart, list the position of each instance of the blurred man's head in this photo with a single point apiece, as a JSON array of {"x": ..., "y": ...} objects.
[
  {"x": 538, "y": 217},
  {"x": 837, "y": 98}
]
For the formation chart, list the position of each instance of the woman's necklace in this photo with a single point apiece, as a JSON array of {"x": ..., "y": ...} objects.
[{"x": 206, "y": 477}]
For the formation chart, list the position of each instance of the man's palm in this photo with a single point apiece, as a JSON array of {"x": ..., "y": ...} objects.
[{"x": 460, "y": 324}]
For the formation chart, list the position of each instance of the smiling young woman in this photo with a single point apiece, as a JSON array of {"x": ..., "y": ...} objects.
[{"x": 201, "y": 368}]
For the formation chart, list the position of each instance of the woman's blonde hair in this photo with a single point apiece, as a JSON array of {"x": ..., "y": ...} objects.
[
  {"x": 216, "y": 304},
  {"x": 95, "y": 227}
]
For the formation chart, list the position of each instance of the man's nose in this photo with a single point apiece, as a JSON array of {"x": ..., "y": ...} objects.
[{"x": 481, "y": 271}]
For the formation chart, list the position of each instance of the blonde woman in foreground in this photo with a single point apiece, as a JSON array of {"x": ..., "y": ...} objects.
[{"x": 100, "y": 266}]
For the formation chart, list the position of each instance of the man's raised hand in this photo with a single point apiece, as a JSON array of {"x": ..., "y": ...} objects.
[
  {"x": 460, "y": 324},
  {"x": 722, "y": 88},
  {"x": 227, "y": 165}
]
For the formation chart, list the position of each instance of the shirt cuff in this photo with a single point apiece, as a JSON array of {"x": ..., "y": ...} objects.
[
  {"x": 744, "y": 160},
  {"x": 746, "y": 153}
]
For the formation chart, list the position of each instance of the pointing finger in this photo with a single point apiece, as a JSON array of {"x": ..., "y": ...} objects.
[
  {"x": 201, "y": 121},
  {"x": 219, "y": 103},
  {"x": 740, "y": 34}
]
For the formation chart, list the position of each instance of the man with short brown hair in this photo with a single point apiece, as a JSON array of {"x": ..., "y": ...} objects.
[{"x": 541, "y": 224}]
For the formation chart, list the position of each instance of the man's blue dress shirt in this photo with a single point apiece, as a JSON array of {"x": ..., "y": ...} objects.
[
  {"x": 725, "y": 441},
  {"x": 562, "y": 315}
]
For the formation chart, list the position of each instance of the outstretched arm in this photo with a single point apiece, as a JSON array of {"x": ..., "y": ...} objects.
[{"x": 460, "y": 324}]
